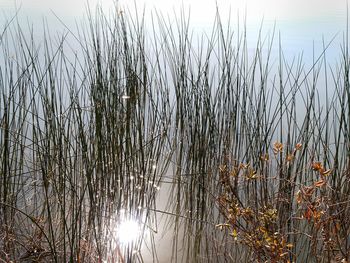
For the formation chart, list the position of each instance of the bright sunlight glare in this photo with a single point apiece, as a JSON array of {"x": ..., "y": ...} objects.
[{"x": 128, "y": 231}]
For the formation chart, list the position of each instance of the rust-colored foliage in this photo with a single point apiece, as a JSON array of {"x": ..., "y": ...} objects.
[{"x": 256, "y": 224}]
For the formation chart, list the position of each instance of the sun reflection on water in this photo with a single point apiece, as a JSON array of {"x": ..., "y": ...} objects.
[{"x": 128, "y": 231}]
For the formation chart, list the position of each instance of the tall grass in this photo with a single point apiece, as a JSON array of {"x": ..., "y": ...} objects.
[{"x": 89, "y": 138}]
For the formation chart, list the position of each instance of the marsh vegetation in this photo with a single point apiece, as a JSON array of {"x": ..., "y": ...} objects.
[{"x": 252, "y": 148}]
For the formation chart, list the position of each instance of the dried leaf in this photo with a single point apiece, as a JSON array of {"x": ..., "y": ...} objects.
[
  {"x": 290, "y": 158},
  {"x": 234, "y": 233},
  {"x": 243, "y": 166},
  {"x": 298, "y": 146},
  {"x": 326, "y": 173},
  {"x": 316, "y": 166},
  {"x": 299, "y": 197},
  {"x": 234, "y": 173},
  {"x": 251, "y": 174},
  {"x": 265, "y": 157},
  {"x": 277, "y": 147},
  {"x": 308, "y": 190},
  {"x": 317, "y": 215},
  {"x": 337, "y": 226},
  {"x": 223, "y": 168},
  {"x": 289, "y": 245},
  {"x": 308, "y": 214},
  {"x": 320, "y": 183},
  {"x": 221, "y": 226}
]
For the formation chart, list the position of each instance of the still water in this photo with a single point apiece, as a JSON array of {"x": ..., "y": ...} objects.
[
  {"x": 302, "y": 25},
  {"x": 303, "y": 28}
]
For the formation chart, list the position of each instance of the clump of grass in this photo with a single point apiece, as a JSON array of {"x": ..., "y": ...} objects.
[
  {"x": 230, "y": 106},
  {"x": 87, "y": 140},
  {"x": 83, "y": 144}
]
